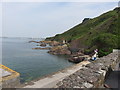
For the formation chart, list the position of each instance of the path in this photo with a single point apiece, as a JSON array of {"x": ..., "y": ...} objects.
[{"x": 50, "y": 81}]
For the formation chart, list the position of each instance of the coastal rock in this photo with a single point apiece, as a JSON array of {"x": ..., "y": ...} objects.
[
  {"x": 34, "y": 41},
  {"x": 76, "y": 54},
  {"x": 63, "y": 50},
  {"x": 76, "y": 59},
  {"x": 51, "y": 43},
  {"x": 42, "y": 48},
  {"x": 47, "y": 42},
  {"x": 43, "y": 44},
  {"x": 54, "y": 43}
]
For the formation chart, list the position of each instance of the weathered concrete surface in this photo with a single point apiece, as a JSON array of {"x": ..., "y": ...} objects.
[
  {"x": 4, "y": 73},
  {"x": 92, "y": 75},
  {"x": 51, "y": 80},
  {"x": 9, "y": 78}
]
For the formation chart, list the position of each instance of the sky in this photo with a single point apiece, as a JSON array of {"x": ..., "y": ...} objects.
[{"x": 45, "y": 19}]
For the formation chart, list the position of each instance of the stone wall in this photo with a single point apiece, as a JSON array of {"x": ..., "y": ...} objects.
[{"x": 92, "y": 75}]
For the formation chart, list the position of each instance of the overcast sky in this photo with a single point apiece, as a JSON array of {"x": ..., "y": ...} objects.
[{"x": 44, "y": 19}]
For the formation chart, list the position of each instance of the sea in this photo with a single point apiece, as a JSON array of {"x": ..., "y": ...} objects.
[{"x": 17, "y": 54}]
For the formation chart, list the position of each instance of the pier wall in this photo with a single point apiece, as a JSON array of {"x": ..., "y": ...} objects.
[
  {"x": 11, "y": 83},
  {"x": 9, "y": 78},
  {"x": 92, "y": 75}
]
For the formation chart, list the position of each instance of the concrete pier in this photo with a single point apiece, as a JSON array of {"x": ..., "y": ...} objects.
[{"x": 9, "y": 78}]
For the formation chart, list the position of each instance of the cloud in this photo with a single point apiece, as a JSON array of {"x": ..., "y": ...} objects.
[
  {"x": 59, "y": 0},
  {"x": 47, "y": 19}
]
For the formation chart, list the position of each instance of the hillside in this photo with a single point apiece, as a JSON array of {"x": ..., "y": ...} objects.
[{"x": 101, "y": 32}]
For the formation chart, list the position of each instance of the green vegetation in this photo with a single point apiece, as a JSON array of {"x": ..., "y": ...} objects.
[
  {"x": 105, "y": 43},
  {"x": 101, "y": 32}
]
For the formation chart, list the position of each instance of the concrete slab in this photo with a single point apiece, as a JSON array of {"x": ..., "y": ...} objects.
[
  {"x": 5, "y": 73},
  {"x": 8, "y": 77}
]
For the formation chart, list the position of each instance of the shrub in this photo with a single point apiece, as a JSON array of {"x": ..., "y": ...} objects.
[{"x": 106, "y": 43}]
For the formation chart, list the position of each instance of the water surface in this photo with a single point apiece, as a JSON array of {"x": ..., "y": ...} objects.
[{"x": 18, "y": 55}]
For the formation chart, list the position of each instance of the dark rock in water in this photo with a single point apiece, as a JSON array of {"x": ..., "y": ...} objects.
[
  {"x": 34, "y": 41},
  {"x": 42, "y": 48},
  {"x": 37, "y": 45},
  {"x": 43, "y": 44},
  {"x": 76, "y": 59}
]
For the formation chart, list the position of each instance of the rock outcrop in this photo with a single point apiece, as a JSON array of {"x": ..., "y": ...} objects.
[
  {"x": 54, "y": 43},
  {"x": 46, "y": 48},
  {"x": 78, "y": 57},
  {"x": 51, "y": 43},
  {"x": 34, "y": 41},
  {"x": 85, "y": 20},
  {"x": 62, "y": 50},
  {"x": 43, "y": 44}
]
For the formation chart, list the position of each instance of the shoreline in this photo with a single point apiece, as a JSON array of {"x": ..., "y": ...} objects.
[
  {"x": 62, "y": 48},
  {"x": 49, "y": 81},
  {"x": 52, "y": 77}
]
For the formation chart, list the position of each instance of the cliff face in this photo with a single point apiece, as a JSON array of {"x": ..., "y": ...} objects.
[{"x": 101, "y": 32}]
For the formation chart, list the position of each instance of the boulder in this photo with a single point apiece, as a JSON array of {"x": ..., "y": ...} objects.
[
  {"x": 76, "y": 54},
  {"x": 76, "y": 59}
]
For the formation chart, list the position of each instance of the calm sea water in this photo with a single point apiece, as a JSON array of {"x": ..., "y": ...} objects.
[{"x": 18, "y": 55}]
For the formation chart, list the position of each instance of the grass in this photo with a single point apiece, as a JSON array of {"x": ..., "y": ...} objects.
[{"x": 101, "y": 32}]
